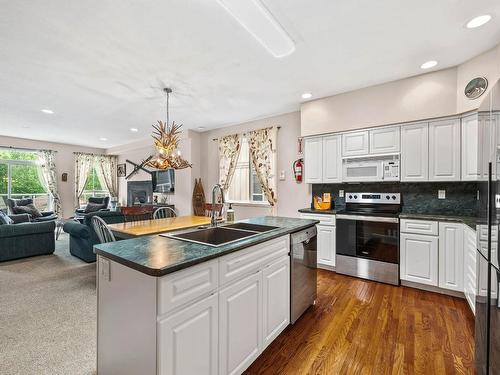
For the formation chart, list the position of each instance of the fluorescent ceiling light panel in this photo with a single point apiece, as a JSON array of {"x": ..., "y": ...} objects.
[{"x": 261, "y": 24}]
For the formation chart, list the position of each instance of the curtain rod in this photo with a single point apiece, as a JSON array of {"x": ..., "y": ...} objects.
[
  {"x": 216, "y": 139},
  {"x": 21, "y": 148}
]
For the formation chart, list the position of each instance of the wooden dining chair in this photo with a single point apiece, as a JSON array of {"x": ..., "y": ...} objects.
[
  {"x": 137, "y": 213},
  {"x": 102, "y": 230},
  {"x": 163, "y": 213}
]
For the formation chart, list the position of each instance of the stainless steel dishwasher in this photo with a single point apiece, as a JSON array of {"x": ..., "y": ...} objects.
[{"x": 303, "y": 273}]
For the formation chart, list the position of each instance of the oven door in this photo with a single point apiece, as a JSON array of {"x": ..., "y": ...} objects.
[{"x": 375, "y": 238}]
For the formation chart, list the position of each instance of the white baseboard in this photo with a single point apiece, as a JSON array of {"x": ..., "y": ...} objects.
[{"x": 430, "y": 288}]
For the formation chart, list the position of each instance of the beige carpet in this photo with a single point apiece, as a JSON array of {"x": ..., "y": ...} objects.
[{"x": 48, "y": 314}]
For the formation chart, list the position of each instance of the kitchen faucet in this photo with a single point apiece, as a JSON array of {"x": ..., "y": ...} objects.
[{"x": 216, "y": 187}]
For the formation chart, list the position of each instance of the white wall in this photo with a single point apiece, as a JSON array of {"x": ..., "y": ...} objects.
[
  {"x": 291, "y": 196},
  {"x": 434, "y": 94},
  {"x": 64, "y": 164}
]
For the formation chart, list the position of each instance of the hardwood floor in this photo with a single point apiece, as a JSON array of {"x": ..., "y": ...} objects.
[{"x": 364, "y": 327}]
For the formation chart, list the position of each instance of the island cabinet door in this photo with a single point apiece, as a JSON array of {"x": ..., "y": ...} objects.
[
  {"x": 240, "y": 330},
  {"x": 187, "y": 340},
  {"x": 276, "y": 304}
]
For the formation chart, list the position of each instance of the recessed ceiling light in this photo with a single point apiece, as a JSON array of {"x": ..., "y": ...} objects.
[
  {"x": 48, "y": 111},
  {"x": 201, "y": 128},
  {"x": 307, "y": 95},
  {"x": 478, "y": 21},
  {"x": 261, "y": 24},
  {"x": 103, "y": 139},
  {"x": 429, "y": 64},
  {"x": 135, "y": 130}
]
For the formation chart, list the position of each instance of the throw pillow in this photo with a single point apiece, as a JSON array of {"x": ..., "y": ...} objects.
[
  {"x": 93, "y": 207},
  {"x": 28, "y": 209},
  {"x": 4, "y": 219}
]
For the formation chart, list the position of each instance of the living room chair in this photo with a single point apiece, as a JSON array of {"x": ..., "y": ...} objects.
[
  {"x": 102, "y": 230},
  {"x": 163, "y": 213},
  {"x": 103, "y": 202},
  {"x": 14, "y": 204}
]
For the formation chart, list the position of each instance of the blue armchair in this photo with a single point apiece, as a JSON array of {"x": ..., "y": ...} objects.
[
  {"x": 24, "y": 238},
  {"x": 83, "y": 237}
]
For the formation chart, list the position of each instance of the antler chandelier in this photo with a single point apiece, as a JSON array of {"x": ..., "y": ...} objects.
[{"x": 166, "y": 140}]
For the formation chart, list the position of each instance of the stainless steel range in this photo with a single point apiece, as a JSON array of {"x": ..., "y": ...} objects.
[{"x": 368, "y": 237}]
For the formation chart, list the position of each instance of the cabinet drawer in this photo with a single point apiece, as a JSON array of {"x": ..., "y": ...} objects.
[
  {"x": 183, "y": 286},
  {"x": 419, "y": 227},
  {"x": 483, "y": 233},
  {"x": 324, "y": 219},
  {"x": 240, "y": 263}
]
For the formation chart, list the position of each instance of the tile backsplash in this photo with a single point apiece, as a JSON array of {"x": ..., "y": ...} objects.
[{"x": 417, "y": 197}]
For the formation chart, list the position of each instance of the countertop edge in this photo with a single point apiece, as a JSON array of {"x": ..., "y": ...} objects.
[{"x": 158, "y": 272}]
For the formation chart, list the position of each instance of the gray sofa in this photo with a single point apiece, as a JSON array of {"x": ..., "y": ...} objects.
[{"x": 24, "y": 238}]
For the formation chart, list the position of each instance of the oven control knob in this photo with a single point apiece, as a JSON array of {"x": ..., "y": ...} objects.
[
  {"x": 394, "y": 197},
  {"x": 350, "y": 196},
  {"x": 387, "y": 197},
  {"x": 355, "y": 197}
]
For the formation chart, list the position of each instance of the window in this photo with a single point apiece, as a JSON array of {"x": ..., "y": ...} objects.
[
  {"x": 245, "y": 185},
  {"x": 93, "y": 187},
  {"x": 19, "y": 178}
]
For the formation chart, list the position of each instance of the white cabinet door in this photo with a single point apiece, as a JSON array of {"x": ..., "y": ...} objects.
[
  {"x": 385, "y": 140},
  {"x": 276, "y": 299},
  {"x": 326, "y": 245},
  {"x": 444, "y": 150},
  {"x": 488, "y": 143},
  {"x": 470, "y": 261},
  {"x": 355, "y": 143},
  {"x": 451, "y": 256},
  {"x": 313, "y": 160},
  {"x": 188, "y": 340},
  {"x": 240, "y": 324},
  {"x": 471, "y": 168},
  {"x": 415, "y": 152},
  {"x": 419, "y": 258},
  {"x": 332, "y": 159}
]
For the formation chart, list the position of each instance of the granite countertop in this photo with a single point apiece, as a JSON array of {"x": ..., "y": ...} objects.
[
  {"x": 157, "y": 255},
  {"x": 468, "y": 220},
  {"x": 314, "y": 211}
]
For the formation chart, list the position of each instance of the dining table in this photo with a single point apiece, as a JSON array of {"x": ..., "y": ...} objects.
[{"x": 134, "y": 229}]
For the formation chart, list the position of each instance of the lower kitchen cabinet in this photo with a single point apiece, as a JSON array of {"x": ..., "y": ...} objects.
[
  {"x": 240, "y": 331},
  {"x": 451, "y": 256},
  {"x": 326, "y": 245},
  {"x": 190, "y": 333},
  {"x": 276, "y": 301},
  {"x": 470, "y": 267},
  {"x": 419, "y": 258}
]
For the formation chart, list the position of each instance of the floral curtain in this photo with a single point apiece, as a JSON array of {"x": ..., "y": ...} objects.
[
  {"x": 262, "y": 145},
  {"x": 48, "y": 177},
  {"x": 83, "y": 166},
  {"x": 229, "y": 152},
  {"x": 106, "y": 170}
]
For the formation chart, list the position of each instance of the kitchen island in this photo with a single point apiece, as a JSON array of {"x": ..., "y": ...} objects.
[{"x": 167, "y": 306}]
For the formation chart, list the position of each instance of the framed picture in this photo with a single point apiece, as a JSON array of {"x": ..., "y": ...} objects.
[{"x": 121, "y": 170}]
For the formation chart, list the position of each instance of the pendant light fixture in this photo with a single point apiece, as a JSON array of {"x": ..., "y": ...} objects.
[{"x": 166, "y": 140}]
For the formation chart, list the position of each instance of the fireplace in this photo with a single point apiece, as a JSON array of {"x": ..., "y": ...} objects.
[{"x": 139, "y": 192}]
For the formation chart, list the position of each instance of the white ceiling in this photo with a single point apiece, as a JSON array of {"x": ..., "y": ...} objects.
[{"x": 100, "y": 64}]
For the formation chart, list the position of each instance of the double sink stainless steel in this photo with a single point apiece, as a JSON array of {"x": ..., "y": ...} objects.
[{"x": 223, "y": 235}]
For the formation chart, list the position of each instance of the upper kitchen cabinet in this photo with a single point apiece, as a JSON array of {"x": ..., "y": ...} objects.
[
  {"x": 415, "y": 152},
  {"x": 332, "y": 159},
  {"x": 384, "y": 140},
  {"x": 313, "y": 160},
  {"x": 444, "y": 150},
  {"x": 488, "y": 133},
  {"x": 355, "y": 144},
  {"x": 471, "y": 166}
]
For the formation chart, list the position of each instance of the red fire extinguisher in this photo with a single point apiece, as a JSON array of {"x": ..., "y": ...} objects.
[{"x": 297, "y": 169}]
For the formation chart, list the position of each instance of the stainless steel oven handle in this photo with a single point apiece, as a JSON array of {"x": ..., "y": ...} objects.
[{"x": 368, "y": 218}]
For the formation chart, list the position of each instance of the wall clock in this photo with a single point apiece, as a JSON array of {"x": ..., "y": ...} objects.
[{"x": 476, "y": 87}]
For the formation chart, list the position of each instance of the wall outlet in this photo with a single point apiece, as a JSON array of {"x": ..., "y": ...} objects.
[
  {"x": 282, "y": 175},
  {"x": 341, "y": 193},
  {"x": 441, "y": 194}
]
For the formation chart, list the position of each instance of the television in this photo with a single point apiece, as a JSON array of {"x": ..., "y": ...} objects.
[{"x": 163, "y": 181}]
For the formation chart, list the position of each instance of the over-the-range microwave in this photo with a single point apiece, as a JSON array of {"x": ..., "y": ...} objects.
[{"x": 371, "y": 169}]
